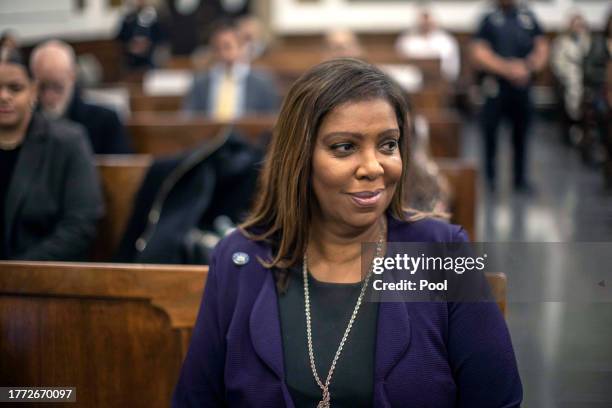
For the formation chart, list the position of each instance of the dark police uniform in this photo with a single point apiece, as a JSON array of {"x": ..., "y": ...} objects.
[
  {"x": 510, "y": 34},
  {"x": 141, "y": 23}
]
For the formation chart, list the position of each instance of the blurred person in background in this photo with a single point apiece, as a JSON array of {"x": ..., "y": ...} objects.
[
  {"x": 427, "y": 189},
  {"x": 598, "y": 98},
  {"x": 231, "y": 88},
  {"x": 429, "y": 41},
  {"x": 139, "y": 35},
  {"x": 50, "y": 195},
  {"x": 53, "y": 65},
  {"x": 509, "y": 48},
  {"x": 9, "y": 40},
  {"x": 567, "y": 60},
  {"x": 342, "y": 43},
  {"x": 254, "y": 36}
]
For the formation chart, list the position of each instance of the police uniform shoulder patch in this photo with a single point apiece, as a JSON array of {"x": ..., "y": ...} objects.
[{"x": 240, "y": 258}]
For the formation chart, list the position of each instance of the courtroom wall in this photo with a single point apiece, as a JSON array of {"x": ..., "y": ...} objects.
[{"x": 97, "y": 19}]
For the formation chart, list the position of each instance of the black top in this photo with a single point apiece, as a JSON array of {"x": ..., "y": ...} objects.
[
  {"x": 8, "y": 158},
  {"x": 57, "y": 201},
  {"x": 331, "y": 306}
]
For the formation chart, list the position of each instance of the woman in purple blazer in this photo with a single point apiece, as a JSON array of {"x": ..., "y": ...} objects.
[{"x": 284, "y": 321}]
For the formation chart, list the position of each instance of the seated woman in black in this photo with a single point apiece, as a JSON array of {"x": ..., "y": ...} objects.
[{"x": 50, "y": 196}]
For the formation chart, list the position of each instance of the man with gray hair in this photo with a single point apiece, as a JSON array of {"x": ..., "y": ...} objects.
[{"x": 53, "y": 64}]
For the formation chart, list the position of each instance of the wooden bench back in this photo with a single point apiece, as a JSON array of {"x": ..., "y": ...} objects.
[
  {"x": 445, "y": 133},
  {"x": 462, "y": 176},
  {"x": 161, "y": 134},
  {"x": 166, "y": 134},
  {"x": 121, "y": 177},
  {"x": 118, "y": 333}
]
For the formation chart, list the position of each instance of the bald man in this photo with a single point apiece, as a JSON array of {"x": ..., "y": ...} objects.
[{"x": 53, "y": 65}]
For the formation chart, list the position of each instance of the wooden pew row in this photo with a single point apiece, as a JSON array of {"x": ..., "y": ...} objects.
[
  {"x": 118, "y": 333},
  {"x": 122, "y": 176},
  {"x": 287, "y": 64},
  {"x": 140, "y": 102},
  {"x": 429, "y": 98},
  {"x": 162, "y": 134},
  {"x": 462, "y": 176},
  {"x": 293, "y": 61}
]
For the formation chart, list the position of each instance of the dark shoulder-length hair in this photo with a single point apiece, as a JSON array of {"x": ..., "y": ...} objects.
[{"x": 282, "y": 210}]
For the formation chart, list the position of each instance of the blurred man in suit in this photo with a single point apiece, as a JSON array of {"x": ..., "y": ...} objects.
[
  {"x": 53, "y": 64},
  {"x": 230, "y": 88}
]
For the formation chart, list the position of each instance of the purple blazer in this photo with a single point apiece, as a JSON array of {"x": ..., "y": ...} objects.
[{"x": 432, "y": 354}]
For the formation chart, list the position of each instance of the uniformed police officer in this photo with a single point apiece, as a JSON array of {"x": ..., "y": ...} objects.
[
  {"x": 140, "y": 33},
  {"x": 509, "y": 48}
]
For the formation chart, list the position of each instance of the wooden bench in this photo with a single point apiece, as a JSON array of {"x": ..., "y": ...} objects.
[
  {"x": 121, "y": 177},
  {"x": 140, "y": 102},
  {"x": 165, "y": 134},
  {"x": 462, "y": 176},
  {"x": 445, "y": 133},
  {"x": 118, "y": 333},
  {"x": 162, "y": 134},
  {"x": 287, "y": 64},
  {"x": 429, "y": 98}
]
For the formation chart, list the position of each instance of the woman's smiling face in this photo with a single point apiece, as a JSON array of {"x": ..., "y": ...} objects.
[{"x": 356, "y": 163}]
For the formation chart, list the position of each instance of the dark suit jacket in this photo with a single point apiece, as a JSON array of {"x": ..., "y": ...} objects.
[
  {"x": 428, "y": 354},
  {"x": 260, "y": 95},
  {"x": 106, "y": 132},
  {"x": 54, "y": 199}
]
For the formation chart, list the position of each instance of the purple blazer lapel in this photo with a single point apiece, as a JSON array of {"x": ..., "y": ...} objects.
[
  {"x": 393, "y": 336},
  {"x": 392, "y": 339},
  {"x": 264, "y": 326},
  {"x": 265, "y": 331}
]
